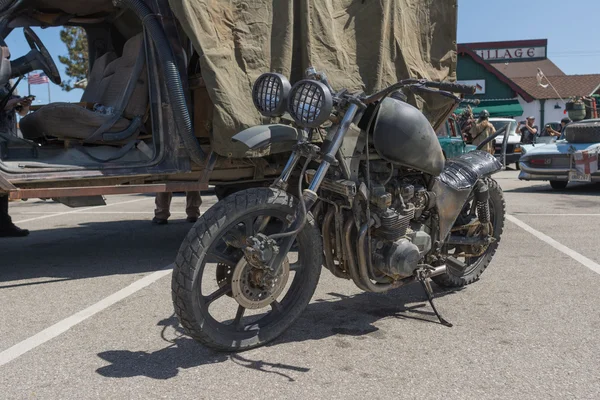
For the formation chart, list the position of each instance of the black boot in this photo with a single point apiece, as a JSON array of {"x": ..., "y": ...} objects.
[
  {"x": 11, "y": 230},
  {"x": 7, "y": 228}
]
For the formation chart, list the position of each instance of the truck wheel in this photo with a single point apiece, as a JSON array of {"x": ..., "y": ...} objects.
[
  {"x": 559, "y": 185},
  {"x": 222, "y": 300},
  {"x": 587, "y": 131}
]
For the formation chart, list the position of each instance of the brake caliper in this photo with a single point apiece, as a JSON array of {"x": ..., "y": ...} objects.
[{"x": 260, "y": 251}]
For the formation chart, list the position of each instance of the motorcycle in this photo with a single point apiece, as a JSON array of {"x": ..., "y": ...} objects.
[{"x": 381, "y": 208}]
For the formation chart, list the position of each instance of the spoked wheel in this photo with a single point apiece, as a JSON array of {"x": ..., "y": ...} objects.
[
  {"x": 476, "y": 258},
  {"x": 222, "y": 300}
]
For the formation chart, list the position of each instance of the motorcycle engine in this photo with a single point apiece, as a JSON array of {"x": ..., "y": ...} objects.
[{"x": 402, "y": 239}]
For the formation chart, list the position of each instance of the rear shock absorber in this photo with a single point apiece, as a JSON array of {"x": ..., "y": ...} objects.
[{"x": 482, "y": 197}]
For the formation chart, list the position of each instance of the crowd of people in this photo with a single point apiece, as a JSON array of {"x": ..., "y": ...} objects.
[{"x": 476, "y": 131}]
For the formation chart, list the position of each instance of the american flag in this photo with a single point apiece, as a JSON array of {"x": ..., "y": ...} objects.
[{"x": 37, "y": 79}]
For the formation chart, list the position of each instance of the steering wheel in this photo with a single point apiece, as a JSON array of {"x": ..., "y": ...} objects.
[{"x": 49, "y": 66}]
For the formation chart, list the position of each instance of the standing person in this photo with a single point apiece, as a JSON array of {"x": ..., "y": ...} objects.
[
  {"x": 549, "y": 131},
  {"x": 14, "y": 105},
  {"x": 481, "y": 130},
  {"x": 8, "y": 124},
  {"x": 527, "y": 130},
  {"x": 563, "y": 124},
  {"x": 163, "y": 205},
  {"x": 7, "y": 228}
]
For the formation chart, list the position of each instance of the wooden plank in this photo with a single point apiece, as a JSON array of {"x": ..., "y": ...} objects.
[{"x": 105, "y": 190}]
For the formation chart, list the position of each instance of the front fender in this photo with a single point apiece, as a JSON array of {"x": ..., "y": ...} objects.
[
  {"x": 261, "y": 136},
  {"x": 453, "y": 187}
]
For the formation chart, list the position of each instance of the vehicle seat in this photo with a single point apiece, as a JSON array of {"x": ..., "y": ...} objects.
[
  {"x": 74, "y": 121},
  {"x": 90, "y": 94}
]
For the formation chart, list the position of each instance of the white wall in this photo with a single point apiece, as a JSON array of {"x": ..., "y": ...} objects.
[
  {"x": 550, "y": 113},
  {"x": 529, "y": 109}
]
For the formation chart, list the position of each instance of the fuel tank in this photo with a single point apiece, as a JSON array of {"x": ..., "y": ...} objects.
[{"x": 404, "y": 136}]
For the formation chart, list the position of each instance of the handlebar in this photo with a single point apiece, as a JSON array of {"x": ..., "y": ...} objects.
[
  {"x": 452, "y": 87},
  {"x": 475, "y": 102},
  {"x": 443, "y": 87}
]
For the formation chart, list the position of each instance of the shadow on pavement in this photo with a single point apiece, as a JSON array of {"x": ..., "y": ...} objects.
[
  {"x": 587, "y": 189},
  {"x": 344, "y": 317},
  {"x": 90, "y": 250}
]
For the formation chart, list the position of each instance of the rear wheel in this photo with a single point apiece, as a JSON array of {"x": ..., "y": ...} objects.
[
  {"x": 559, "y": 185},
  {"x": 475, "y": 265},
  {"x": 224, "y": 302}
]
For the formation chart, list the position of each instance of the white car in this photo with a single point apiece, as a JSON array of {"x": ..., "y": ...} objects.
[{"x": 513, "y": 144}]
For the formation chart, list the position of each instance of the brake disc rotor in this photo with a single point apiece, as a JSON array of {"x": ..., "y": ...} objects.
[{"x": 252, "y": 296}]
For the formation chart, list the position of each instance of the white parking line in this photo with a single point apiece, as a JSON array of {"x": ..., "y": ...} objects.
[
  {"x": 78, "y": 211},
  {"x": 583, "y": 260},
  {"x": 61, "y": 327},
  {"x": 559, "y": 215}
]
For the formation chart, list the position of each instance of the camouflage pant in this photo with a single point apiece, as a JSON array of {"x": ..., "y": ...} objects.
[{"x": 163, "y": 204}]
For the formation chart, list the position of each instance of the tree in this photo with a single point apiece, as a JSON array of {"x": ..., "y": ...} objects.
[{"x": 77, "y": 61}]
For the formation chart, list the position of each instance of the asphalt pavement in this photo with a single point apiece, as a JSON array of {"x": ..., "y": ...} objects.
[{"x": 87, "y": 313}]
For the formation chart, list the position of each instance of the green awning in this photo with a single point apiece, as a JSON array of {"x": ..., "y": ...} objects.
[{"x": 497, "y": 108}]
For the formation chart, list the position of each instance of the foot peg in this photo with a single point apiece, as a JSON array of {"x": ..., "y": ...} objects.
[{"x": 426, "y": 284}]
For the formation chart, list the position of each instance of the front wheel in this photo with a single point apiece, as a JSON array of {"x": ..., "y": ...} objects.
[
  {"x": 559, "y": 185},
  {"x": 476, "y": 259},
  {"x": 224, "y": 302}
]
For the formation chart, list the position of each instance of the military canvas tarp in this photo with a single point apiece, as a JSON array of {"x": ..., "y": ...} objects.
[{"x": 360, "y": 45}]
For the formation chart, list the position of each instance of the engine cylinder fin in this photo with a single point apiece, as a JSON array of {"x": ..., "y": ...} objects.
[{"x": 394, "y": 225}]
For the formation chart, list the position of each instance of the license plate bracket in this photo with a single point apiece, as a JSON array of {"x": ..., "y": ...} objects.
[{"x": 576, "y": 176}]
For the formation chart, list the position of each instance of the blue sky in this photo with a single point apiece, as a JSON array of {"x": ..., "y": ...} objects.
[
  {"x": 50, "y": 37},
  {"x": 570, "y": 27}
]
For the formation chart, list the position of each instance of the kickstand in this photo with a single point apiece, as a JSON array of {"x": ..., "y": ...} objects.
[{"x": 429, "y": 292}]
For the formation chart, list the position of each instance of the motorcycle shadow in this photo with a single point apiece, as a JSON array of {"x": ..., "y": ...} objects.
[
  {"x": 338, "y": 315},
  {"x": 182, "y": 353},
  {"x": 355, "y": 315}
]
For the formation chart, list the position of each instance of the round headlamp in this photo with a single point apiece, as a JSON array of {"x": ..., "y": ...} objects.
[
  {"x": 310, "y": 103},
  {"x": 269, "y": 94}
]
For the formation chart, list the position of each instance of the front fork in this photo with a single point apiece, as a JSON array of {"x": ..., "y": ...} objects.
[{"x": 309, "y": 195}]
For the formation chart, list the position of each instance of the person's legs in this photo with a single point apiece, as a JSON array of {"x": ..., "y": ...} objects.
[
  {"x": 4, "y": 217},
  {"x": 163, "y": 205},
  {"x": 192, "y": 208},
  {"x": 7, "y": 228}
]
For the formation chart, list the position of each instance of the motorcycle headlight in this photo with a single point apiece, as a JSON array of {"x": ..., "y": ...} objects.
[
  {"x": 269, "y": 94},
  {"x": 310, "y": 103}
]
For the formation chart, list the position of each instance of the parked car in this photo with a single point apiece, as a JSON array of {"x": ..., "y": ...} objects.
[
  {"x": 452, "y": 141},
  {"x": 572, "y": 159},
  {"x": 513, "y": 144}
]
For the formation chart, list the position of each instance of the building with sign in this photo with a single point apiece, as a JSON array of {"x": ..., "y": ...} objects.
[{"x": 516, "y": 79}]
